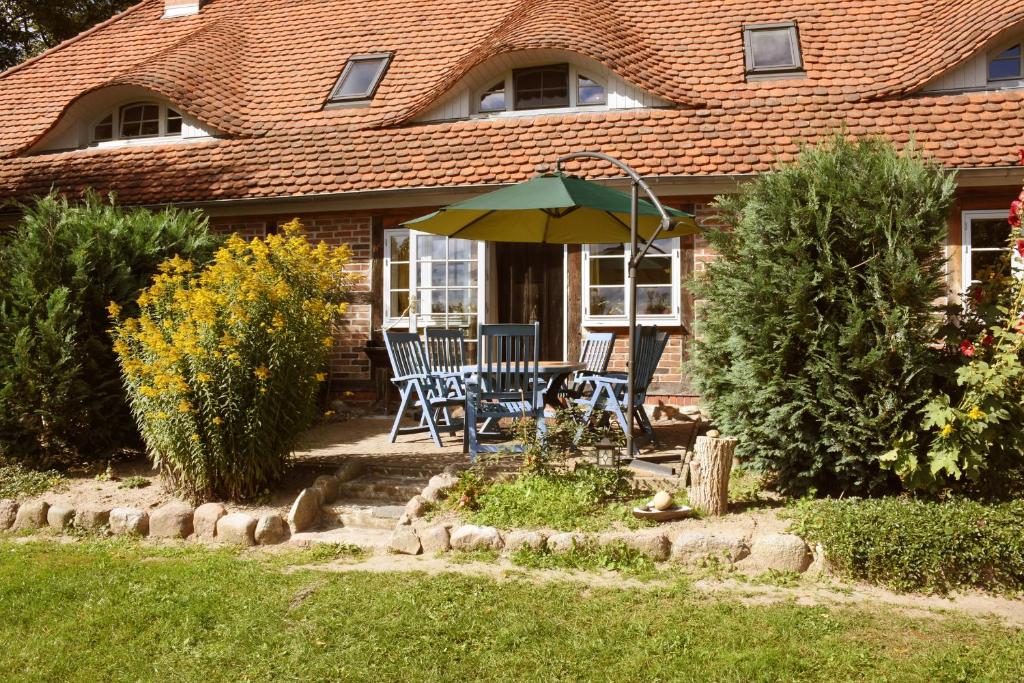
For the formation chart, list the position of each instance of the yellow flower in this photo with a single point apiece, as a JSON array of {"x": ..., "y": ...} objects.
[
  {"x": 975, "y": 413},
  {"x": 113, "y": 309},
  {"x": 947, "y": 429},
  {"x": 263, "y": 390},
  {"x": 218, "y": 421},
  {"x": 261, "y": 372},
  {"x": 321, "y": 376},
  {"x": 328, "y": 413},
  {"x": 184, "y": 406},
  {"x": 204, "y": 377},
  {"x": 195, "y": 437},
  {"x": 328, "y": 341},
  {"x": 161, "y": 415}
]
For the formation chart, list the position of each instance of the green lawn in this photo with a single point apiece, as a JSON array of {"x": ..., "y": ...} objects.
[{"x": 123, "y": 612}]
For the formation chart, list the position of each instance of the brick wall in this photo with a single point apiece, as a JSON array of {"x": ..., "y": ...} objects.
[{"x": 349, "y": 366}]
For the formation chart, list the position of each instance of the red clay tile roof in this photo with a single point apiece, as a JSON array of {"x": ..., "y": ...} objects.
[{"x": 261, "y": 70}]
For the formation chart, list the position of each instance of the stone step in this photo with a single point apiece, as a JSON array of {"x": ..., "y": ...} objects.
[
  {"x": 378, "y": 489},
  {"x": 365, "y": 515},
  {"x": 374, "y": 541}
]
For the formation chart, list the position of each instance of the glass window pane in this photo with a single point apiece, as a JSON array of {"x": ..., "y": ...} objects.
[
  {"x": 985, "y": 260},
  {"x": 400, "y": 276},
  {"x": 771, "y": 48},
  {"x": 151, "y": 128},
  {"x": 494, "y": 98},
  {"x": 104, "y": 129},
  {"x": 399, "y": 302},
  {"x": 654, "y": 301},
  {"x": 399, "y": 246},
  {"x": 461, "y": 301},
  {"x": 462, "y": 274},
  {"x": 173, "y": 122},
  {"x": 989, "y": 232},
  {"x": 431, "y": 301},
  {"x": 607, "y": 301},
  {"x": 589, "y": 92},
  {"x": 460, "y": 249},
  {"x": 546, "y": 86},
  {"x": 432, "y": 274},
  {"x": 1006, "y": 64},
  {"x": 656, "y": 270},
  {"x": 607, "y": 271},
  {"x": 431, "y": 247},
  {"x": 606, "y": 249},
  {"x": 359, "y": 78}
]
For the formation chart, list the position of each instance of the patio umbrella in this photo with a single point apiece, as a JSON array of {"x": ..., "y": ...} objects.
[{"x": 556, "y": 208}]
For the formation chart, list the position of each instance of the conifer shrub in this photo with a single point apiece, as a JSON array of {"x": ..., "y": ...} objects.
[
  {"x": 61, "y": 399},
  {"x": 223, "y": 365},
  {"x": 817, "y": 317}
]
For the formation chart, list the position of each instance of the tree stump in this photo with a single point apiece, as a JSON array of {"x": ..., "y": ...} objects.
[{"x": 709, "y": 474}]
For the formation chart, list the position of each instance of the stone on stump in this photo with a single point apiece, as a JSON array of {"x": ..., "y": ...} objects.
[
  {"x": 435, "y": 539},
  {"x": 92, "y": 518},
  {"x": 60, "y": 516},
  {"x": 8, "y": 513},
  {"x": 32, "y": 515},
  {"x": 174, "y": 520},
  {"x": 271, "y": 530},
  {"x": 709, "y": 474},
  {"x": 129, "y": 521},
  {"x": 472, "y": 537},
  {"x": 523, "y": 539},
  {"x": 237, "y": 528},
  {"x": 204, "y": 520},
  {"x": 405, "y": 541},
  {"x": 305, "y": 510},
  {"x": 328, "y": 485}
]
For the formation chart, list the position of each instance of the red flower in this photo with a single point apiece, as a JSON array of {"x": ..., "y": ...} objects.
[
  {"x": 1020, "y": 155},
  {"x": 978, "y": 294},
  {"x": 988, "y": 340},
  {"x": 1014, "y": 217},
  {"x": 967, "y": 348},
  {"x": 1020, "y": 248}
]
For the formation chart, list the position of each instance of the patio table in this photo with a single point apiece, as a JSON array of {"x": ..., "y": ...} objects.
[{"x": 554, "y": 372}]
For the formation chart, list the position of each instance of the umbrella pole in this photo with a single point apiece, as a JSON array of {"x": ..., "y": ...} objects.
[{"x": 631, "y": 367}]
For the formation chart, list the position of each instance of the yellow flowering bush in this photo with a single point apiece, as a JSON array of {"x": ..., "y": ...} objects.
[{"x": 222, "y": 366}]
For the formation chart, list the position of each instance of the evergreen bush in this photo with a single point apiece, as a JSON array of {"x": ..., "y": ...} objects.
[
  {"x": 223, "y": 365},
  {"x": 817, "y": 316},
  {"x": 61, "y": 398}
]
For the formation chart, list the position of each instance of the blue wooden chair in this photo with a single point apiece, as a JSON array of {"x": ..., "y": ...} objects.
[
  {"x": 446, "y": 356},
  {"x": 594, "y": 357},
  {"x": 610, "y": 389},
  {"x": 418, "y": 387},
  {"x": 506, "y": 383}
]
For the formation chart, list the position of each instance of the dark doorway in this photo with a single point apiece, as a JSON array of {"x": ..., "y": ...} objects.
[{"x": 531, "y": 287}]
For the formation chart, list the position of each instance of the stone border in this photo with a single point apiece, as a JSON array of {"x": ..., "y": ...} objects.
[
  {"x": 176, "y": 520},
  {"x": 758, "y": 553}
]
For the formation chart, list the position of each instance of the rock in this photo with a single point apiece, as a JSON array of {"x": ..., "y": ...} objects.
[
  {"x": 416, "y": 506},
  {"x": 31, "y": 515},
  {"x": 566, "y": 541},
  {"x": 60, "y": 516},
  {"x": 174, "y": 520},
  {"x": 650, "y": 543},
  {"x": 405, "y": 541},
  {"x": 819, "y": 562},
  {"x": 204, "y": 520},
  {"x": 92, "y": 518},
  {"x": 712, "y": 433},
  {"x": 443, "y": 483},
  {"x": 403, "y": 520},
  {"x": 350, "y": 469},
  {"x": 271, "y": 529},
  {"x": 8, "y": 513},
  {"x": 779, "y": 552},
  {"x": 305, "y": 510},
  {"x": 520, "y": 539},
  {"x": 435, "y": 539},
  {"x": 237, "y": 528},
  {"x": 691, "y": 547},
  {"x": 129, "y": 521},
  {"x": 328, "y": 485},
  {"x": 472, "y": 537},
  {"x": 662, "y": 500},
  {"x": 430, "y": 494}
]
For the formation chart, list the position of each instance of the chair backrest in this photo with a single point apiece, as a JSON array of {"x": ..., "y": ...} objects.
[
  {"x": 650, "y": 345},
  {"x": 446, "y": 349},
  {"x": 507, "y": 357},
  {"x": 405, "y": 350},
  {"x": 596, "y": 352}
]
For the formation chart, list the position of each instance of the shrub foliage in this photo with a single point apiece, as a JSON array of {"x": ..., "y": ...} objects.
[
  {"x": 818, "y": 314},
  {"x": 61, "y": 398},
  {"x": 222, "y": 366},
  {"x": 910, "y": 544}
]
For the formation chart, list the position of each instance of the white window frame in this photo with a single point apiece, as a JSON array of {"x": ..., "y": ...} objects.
[
  {"x": 510, "y": 110},
  {"x": 966, "y": 218},
  {"x": 118, "y": 141},
  {"x": 414, "y": 320},
  {"x": 992, "y": 55},
  {"x": 673, "y": 318}
]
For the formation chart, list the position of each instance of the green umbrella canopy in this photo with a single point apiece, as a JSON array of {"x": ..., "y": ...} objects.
[{"x": 553, "y": 208}]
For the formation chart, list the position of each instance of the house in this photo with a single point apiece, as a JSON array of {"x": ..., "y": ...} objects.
[{"x": 356, "y": 116}]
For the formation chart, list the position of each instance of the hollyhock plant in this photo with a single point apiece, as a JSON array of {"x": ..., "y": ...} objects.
[{"x": 967, "y": 348}]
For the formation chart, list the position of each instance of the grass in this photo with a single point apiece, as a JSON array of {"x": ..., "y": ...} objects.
[
  {"x": 118, "y": 611},
  {"x": 616, "y": 557},
  {"x": 19, "y": 482},
  {"x": 134, "y": 483}
]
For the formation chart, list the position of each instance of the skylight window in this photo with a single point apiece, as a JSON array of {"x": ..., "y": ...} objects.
[
  {"x": 772, "y": 49},
  {"x": 1006, "y": 65},
  {"x": 360, "y": 78}
]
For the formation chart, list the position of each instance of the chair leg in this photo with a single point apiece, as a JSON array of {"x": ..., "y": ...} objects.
[
  {"x": 470, "y": 437},
  {"x": 428, "y": 415},
  {"x": 406, "y": 394},
  {"x": 447, "y": 412},
  {"x": 645, "y": 423},
  {"x": 585, "y": 421}
]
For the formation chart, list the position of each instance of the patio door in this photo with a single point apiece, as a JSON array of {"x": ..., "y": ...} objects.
[{"x": 531, "y": 287}]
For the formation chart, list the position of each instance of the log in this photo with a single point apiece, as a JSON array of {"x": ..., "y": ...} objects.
[{"x": 709, "y": 474}]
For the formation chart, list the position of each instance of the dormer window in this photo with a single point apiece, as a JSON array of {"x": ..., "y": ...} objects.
[
  {"x": 772, "y": 50},
  {"x": 138, "y": 120},
  {"x": 551, "y": 86},
  {"x": 359, "y": 79},
  {"x": 1006, "y": 65}
]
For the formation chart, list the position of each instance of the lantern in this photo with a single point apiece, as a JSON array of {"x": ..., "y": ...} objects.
[{"x": 607, "y": 453}]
